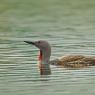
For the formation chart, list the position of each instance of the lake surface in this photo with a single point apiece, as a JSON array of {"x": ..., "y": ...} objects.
[{"x": 69, "y": 26}]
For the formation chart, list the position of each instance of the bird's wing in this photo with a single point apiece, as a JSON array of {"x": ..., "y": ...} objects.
[
  {"x": 71, "y": 58},
  {"x": 75, "y": 61}
]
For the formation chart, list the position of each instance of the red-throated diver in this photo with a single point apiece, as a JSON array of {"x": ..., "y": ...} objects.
[{"x": 74, "y": 61}]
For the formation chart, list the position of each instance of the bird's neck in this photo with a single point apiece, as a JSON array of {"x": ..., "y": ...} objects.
[
  {"x": 44, "y": 65},
  {"x": 44, "y": 57},
  {"x": 40, "y": 56}
]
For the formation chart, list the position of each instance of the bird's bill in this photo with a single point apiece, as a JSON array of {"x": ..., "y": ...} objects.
[{"x": 30, "y": 42}]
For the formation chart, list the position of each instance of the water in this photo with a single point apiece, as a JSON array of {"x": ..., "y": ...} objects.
[{"x": 69, "y": 26}]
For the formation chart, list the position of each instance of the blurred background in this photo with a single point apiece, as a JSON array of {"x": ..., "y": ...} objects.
[{"x": 68, "y": 25}]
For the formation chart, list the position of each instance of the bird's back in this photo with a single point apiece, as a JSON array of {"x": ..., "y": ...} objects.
[{"x": 74, "y": 61}]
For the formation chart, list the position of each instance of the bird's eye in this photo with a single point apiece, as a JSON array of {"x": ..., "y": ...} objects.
[{"x": 39, "y": 42}]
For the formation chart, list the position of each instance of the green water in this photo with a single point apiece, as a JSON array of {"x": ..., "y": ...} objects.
[{"x": 69, "y": 26}]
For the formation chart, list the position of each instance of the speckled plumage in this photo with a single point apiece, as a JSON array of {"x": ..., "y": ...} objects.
[{"x": 74, "y": 61}]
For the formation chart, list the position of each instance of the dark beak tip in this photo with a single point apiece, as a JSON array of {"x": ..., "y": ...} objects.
[
  {"x": 26, "y": 41},
  {"x": 29, "y": 42}
]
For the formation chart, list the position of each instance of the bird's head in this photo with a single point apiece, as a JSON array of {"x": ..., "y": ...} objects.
[{"x": 44, "y": 46}]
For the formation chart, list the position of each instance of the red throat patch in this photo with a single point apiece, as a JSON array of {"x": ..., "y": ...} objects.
[{"x": 40, "y": 56}]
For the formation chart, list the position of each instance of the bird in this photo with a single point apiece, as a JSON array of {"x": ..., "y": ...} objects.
[{"x": 69, "y": 61}]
